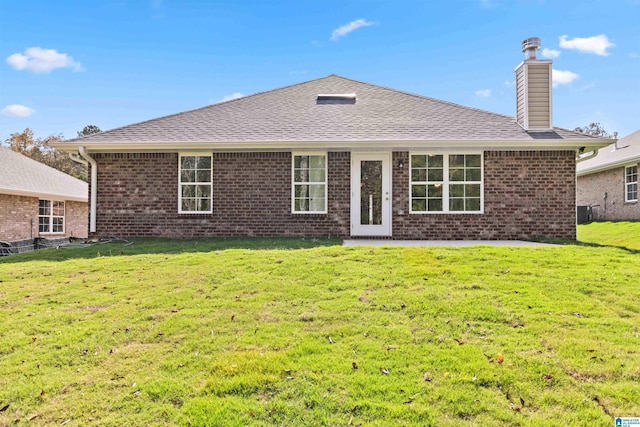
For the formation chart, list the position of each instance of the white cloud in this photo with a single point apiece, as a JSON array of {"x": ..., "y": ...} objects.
[
  {"x": 509, "y": 82},
  {"x": 596, "y": 44},
  {"x": 560, "y": 77},
  {"x": 17, "y": 110},
  {"x": 550, "y": 53},
  {"x": 234, "y": 95},
  {"x": 484, "y": 93},
  {"x": 351, "y": 26},
  {"x": 40, "y": 60}
]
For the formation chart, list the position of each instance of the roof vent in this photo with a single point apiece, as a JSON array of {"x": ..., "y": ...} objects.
[
  {"x": 530, "y": 47},
  {"x": 336, "y": 98}
]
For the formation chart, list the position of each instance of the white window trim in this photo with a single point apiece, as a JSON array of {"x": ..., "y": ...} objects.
[
  {"x": 293, "y": 183},
  {"x": 628, "y": 184},
  {"x": 64, "y": 218},
  {"x": 445, "y": 182},
  {"x": 193, "y": 154}
]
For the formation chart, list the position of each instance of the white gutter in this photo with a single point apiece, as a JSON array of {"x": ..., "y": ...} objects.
[
  {"x": 589, "y": 155},
  {"x": 94, "y": 187}
]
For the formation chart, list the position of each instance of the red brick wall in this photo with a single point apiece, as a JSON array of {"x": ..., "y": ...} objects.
[
  {"x": 138, "y": 196},
  {"x": 19, "y": 218},
  {"x": 591, "y": 189},
  {"x": 527, "y": 194}
]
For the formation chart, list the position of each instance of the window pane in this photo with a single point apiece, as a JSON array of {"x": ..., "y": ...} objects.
[
  {"x": 316, "y": 190},
  {"x": 472, "y": 190},
  {"x": 436, "y": 161},
  {"x": 419, "y": 205},
  {"x": 473, "y": 204},
  {"x": 473, "y": 160},
  {"x": 456, "y": 174},
  {"x": 456, "y": 160},
  {"x": 419, "y": 190},
  {"x": 316, "y": 162},
  {"x": 188, "y": 176},
  {"x": 189, "y": 205},
  {"x": 435, "y": 205},
  {"x": 203, "y": 176},
  {"x": 301, "y": 205},
  {"x": 316, "y": 175},
  {"x": 300, "y": 162},
  {"x": 435, "y": 191},
  {"x": 316, "y": 204},
  {"x": 301, "y": 191},
  {"x": 44, "y": 208},
  {"x": 188, "y": 162},
  {"x": 473, "y": 175},
  {"x": 204, "y": 205},
  {"x": 43, "y": 224},
  {"x": 58, "y": 225},
  {"x": 203, "y": 191},
  {"x": 418, "y": 161},
  {"x": 456, "y": 190},
  {"x": 58, "y": 208},
  {"x": 418, "y": 175},
  {"x": 204, "y": 162},
  {"x": 436, "y": 174},
  {"x": 188, "y": 191},
  {"x": 456, "y": 205}
]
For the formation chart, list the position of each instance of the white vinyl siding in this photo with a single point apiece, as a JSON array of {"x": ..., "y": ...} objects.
[
  {"x": 309, "y": 183},
  {"x": 51, "y": 217},
  {"x": 195, "y": 175},
  {"x": 631, "y": 184},
  {"x": 446, "y": 183}
]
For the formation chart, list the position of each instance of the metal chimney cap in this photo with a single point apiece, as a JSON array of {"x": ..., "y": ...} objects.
[{"x": 531, "y": 43}]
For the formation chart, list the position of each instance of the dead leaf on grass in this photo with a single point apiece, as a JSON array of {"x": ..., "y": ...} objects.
[
  {"x": 499, "y": 358},
  {"x": 354, "y": 365},
  {"x": 384, "y": 371},
  {"x": 4, "y": 408},
  {"x": 33, "y": 417},
  {"x": 458, "y": 341},
  {"x": 427, "y": 376}
]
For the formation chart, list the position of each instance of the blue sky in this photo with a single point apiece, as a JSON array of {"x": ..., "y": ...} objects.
[{"x": 67, "y": 64}]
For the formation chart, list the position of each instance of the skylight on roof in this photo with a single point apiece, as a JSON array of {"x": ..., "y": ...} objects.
[{"x": 336, "y": 98}]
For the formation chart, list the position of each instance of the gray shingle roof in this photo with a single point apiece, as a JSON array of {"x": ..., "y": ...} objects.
[
  {"x": 626, "y": 150},
  {"x": 291, "y": 114},
  {"x": 24, "y": 176}
]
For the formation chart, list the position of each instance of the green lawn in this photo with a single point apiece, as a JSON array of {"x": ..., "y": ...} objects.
[
  {"x": 301, "y": 333},
  {"x": 618, "y": 233}
]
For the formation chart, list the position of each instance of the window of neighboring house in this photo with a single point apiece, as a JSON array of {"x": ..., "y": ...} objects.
[
  {"x": 631, "y": 183},
  {"x": 50, "y": 216},
  {"x": 446, "y": 183},
  {"x": 195, "y": 176},
  {"x": 309, "y": 189}
]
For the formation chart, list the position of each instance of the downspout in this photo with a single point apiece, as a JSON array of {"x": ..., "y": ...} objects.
[{"x": 94, "y": 187}]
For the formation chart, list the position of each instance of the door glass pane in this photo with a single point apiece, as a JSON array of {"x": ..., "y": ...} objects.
[{"x": 371, "y": 192}]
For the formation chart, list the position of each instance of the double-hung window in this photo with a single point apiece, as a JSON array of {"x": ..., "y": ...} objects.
[
  {"x": 446, "y": 183},
  {"x": 309, "y": 186},
  {"x": 50, "y": 216},
  {"x": 631, "y": 183},
  {"x": 195, "y": 177}
]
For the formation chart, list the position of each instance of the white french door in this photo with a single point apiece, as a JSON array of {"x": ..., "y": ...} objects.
[{"x": 371, "y": 194}]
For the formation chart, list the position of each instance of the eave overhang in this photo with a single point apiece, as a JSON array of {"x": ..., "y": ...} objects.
[
  {"x": 43, "y": 195},
  {"x": 397, "y": 145}
]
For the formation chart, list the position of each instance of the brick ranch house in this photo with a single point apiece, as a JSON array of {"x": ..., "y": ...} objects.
[
  {"x": 609, "y": 181},
  {"x": 343, "y": 158},
  {"x": 39, "y": 201}
]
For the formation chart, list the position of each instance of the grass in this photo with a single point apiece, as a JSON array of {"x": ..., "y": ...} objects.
[
  {"x": 613, "y": 233},
  {"x": 294, "y": 332}
]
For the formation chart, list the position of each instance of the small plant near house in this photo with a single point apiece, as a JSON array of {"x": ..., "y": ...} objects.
[{"x": 297, "y": 332}]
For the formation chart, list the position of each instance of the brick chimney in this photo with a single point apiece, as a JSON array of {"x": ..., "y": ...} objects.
[{"x": 533, "y": 89}]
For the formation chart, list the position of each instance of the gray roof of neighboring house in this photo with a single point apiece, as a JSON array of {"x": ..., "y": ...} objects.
[
  {"x": 626, "y": 150},
  {"x": 23, "y": 176},
  {"x": 292, "y": 114}
]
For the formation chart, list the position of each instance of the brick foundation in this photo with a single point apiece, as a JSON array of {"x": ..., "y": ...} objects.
[{"x": 527, "y": 194}]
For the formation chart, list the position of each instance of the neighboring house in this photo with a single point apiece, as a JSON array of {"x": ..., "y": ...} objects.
[
  {"x": 39, "y": 201},
  {"x": 339, "y": 157},
  {"x": 609, "y": 181}
]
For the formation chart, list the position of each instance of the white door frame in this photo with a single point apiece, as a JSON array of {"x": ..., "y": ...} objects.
[{"x": 383, "y": 229}]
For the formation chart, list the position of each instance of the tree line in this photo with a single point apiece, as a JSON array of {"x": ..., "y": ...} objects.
[{"x": 41, "y": 150}]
